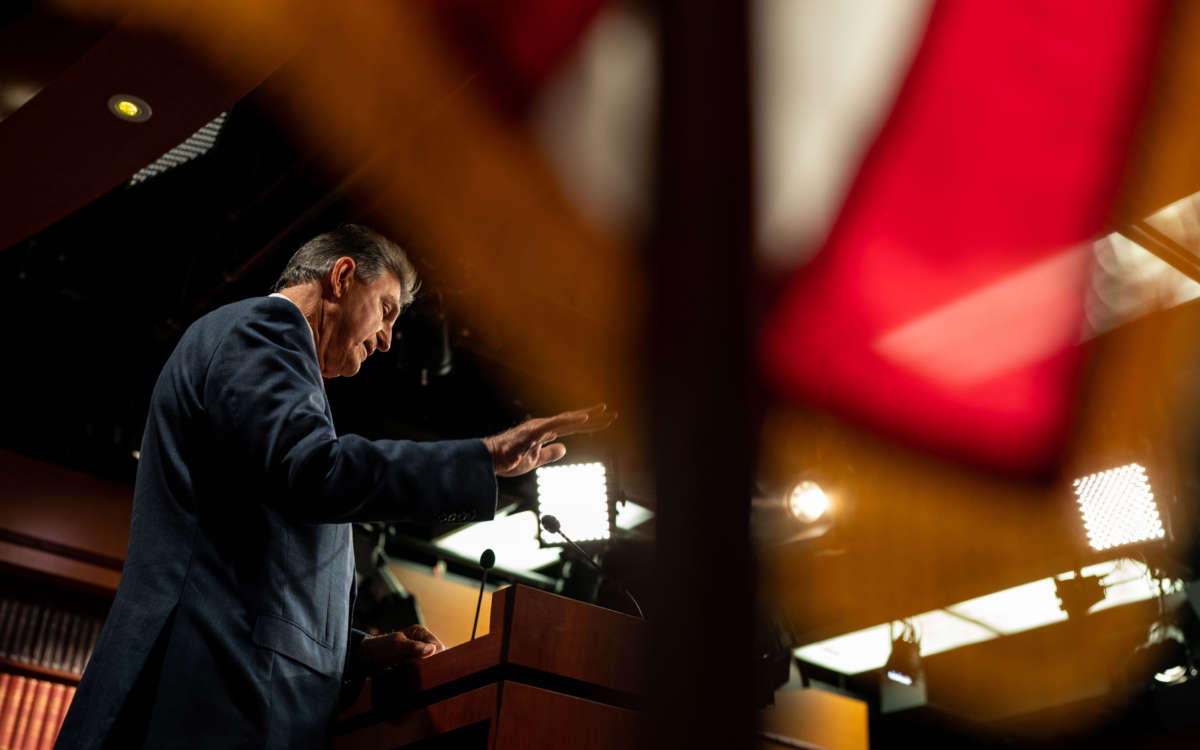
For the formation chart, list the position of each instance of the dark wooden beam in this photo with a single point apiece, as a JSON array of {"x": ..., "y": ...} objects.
[{"x": 703, "y": 429}]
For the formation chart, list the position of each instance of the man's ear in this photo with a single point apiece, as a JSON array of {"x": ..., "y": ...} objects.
[{"x": 341, "y": 276}]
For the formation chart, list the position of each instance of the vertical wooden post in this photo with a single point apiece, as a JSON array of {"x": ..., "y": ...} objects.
[{"x": 703, "y": 428}]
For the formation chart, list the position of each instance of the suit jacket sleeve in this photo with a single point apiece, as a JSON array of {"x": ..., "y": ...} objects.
[
  {"x": 266, "y": 403},
  {"x": 353, "y": 676}
]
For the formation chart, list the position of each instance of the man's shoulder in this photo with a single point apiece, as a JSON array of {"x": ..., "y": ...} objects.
[
  {"x": 257, "y": 318},
  {"x": 278, "y": 310}
]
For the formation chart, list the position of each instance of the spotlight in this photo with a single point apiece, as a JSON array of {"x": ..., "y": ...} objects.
[
  {"x": 577, "y": 494},
  {"x": 904, "y": 663},
  {"x": 1118, "y": 507},
  {"x": 792, "y": 509},
  {"x": 1173, "y": 675},
  {"x": 129, "y": 108},
  {"x": 807, "y": 501},
  {"x": 1166, "y": 655},
  {"x": 1079, "y": 594},
  {"x": 902, "y": 680}
]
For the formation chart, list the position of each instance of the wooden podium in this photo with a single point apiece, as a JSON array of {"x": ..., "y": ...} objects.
[{"x": 551, "y": 673}]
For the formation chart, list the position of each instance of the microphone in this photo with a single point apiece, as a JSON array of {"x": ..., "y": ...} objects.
[
  {"x": 486, "y": 561},
  {"x": 551, "y": 524}
]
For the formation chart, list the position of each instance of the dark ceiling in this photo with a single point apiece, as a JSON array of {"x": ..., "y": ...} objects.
[{"x": 95, "y": 302}]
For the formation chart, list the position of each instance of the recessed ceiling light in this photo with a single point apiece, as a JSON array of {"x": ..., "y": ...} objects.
[{"x": 129, "y": 108}]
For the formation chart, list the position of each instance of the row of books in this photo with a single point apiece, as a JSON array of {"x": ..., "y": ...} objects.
[
  {"x": 31, "y": 711},
  {"x": 45, "y": 636}
]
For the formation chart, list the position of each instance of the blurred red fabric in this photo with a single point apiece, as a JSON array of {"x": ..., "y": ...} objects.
[
  {"x": 517, "y": 44},
  {"x": 947, "y": 304}
]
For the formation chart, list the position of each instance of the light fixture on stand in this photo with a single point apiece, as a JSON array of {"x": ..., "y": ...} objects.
[{"x": 902, "y": 679}]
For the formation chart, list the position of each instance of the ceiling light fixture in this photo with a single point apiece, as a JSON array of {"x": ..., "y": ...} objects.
[
  {"x": 129, "y": 108},
  {"x": 196, "y": 145},
  {"x": 1014, "y": 610}
]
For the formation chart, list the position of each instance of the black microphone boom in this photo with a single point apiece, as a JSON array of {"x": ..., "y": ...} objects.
[
  {"x": 486, "y": 561},
  {"x": 551, "y": 524}
]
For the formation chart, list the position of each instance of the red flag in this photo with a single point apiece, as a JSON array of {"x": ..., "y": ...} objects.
[
  {"x": 516, "y": 45},
  {"x": 947, "y": 303}
]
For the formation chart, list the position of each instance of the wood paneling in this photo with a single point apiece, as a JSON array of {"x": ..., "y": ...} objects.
[
  {"x": 533, "y": 717},
  {"x": 65, "y": 508},
  {"x": 553, "y": 634},
  {"x": 68, "y": 149},
  {"x": 57, "y": 570},
  {"x": 431, "y": 721}
]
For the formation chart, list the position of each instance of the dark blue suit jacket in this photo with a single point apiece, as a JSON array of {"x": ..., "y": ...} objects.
[{"x": 231, "y": 625}]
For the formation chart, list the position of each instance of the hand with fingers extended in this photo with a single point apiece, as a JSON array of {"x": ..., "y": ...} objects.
[
  {"x": 378, "y": 653},
  {"x": 531, "y": 443}
]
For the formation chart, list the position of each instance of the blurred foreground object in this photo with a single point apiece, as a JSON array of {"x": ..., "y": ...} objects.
[{"x": 946, "y": 305}]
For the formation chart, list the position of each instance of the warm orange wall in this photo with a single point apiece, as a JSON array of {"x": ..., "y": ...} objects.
[
  {"x": 818, "y": 717},
  {"x": 448, "y": 606}
]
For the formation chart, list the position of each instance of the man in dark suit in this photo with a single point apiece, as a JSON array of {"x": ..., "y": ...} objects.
[{"x": 231, "y": 625}]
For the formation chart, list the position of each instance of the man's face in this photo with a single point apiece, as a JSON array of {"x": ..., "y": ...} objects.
[{"x": 361, "y": 318}]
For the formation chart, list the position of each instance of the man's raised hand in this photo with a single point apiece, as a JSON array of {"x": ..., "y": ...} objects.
[{"x": 532, "y": 443}]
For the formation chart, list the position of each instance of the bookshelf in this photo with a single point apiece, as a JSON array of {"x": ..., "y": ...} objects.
[
  {"x": 12, "y": 666},
  {"x": 62, "y": 541}
]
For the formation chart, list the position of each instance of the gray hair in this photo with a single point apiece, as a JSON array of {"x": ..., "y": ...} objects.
[{"x": 372, "y": 253}]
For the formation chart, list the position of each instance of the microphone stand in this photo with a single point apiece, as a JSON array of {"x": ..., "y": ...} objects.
[
  {"x": 551, "y": 524},
  {"x": 486, "y": 561}
]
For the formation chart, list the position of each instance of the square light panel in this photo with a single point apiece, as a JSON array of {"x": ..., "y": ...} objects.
[
  {"x": 576, "y": 494},
  {"x": 1118, "y": 507}
]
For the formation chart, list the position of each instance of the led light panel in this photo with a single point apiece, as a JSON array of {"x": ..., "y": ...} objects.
[
  {"x": 1118, "y": 507},
  {"x": 576, "y": 494}
]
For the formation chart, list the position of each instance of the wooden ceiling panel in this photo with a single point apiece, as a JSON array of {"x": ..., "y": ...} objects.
[{"x": 64, "y": 149}]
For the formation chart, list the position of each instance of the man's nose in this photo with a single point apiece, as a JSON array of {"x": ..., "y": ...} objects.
[{"x": 385, "y": 340}]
